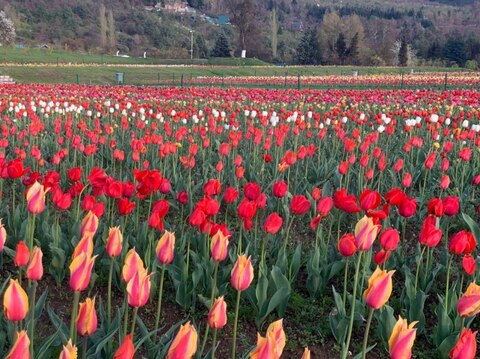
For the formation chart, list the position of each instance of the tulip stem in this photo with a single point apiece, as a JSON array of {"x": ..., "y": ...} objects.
[
  {"x": 109, "y": 293},
  {"x": 448, "y": 283},
  {"x": 32, "y": 317},
  {"x": 84, "y": 352},
  {"x": 345, "y": 284},
  {"x": 76, "y": 299},
  {"x": 352, "y": 310},
  {"x": 160, "y": 294},
  {"x": 367, "y": 329},
  {"x": 134, "y": 319},
  {"x": 235, "y": 325},
  {"x": 32, "y": 231},
  {"x": 214, "y": 287},
  {"x": 125, "y": 319},
  {"x": 214, "y": 343},
  {"x": 418, "y": 268}
]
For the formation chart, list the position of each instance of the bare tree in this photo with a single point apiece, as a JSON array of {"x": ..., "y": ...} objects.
[
  {"x": 112, "y": 42},
  {"x": 7, "y": 30},
  {"x": 244, "y": 16},
  {"x": 103, "y": 26}
]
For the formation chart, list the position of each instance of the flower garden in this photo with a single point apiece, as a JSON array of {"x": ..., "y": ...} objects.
[{"x": 179, "y": 222}]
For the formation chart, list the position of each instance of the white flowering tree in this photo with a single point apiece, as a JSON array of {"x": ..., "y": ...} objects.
[{"x": 7, "y": 29}]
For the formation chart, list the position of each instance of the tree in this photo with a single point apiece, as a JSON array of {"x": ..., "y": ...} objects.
[
  {"x": 200, "y": 49},
  {"x": 403, "y": 53},
  {"x": 7, "y": 30},
  {"x": 274, "y": 30},
  {"x": 244, "y": 16},
  {"x": 308, "y": 50},
  {"x": 103, "y": 26},
  {"x": 353, "y": 51},
  {"x": 341, "y": 48},
  {"x": 455, "y": 51},
  {"x": 222, "y": 47},
  {"x": 112, "y": 42}
]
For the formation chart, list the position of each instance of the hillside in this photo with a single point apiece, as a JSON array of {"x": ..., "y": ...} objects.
[{"x": 163, "y": 29}]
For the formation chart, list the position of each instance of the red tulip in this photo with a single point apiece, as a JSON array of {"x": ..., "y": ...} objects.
[
  {"x": 451, "y": 205},
  {"x": 466, "y": 346},
  {"x": 344, "y": 202},
  {"x": 280, "y": 189},
  {"x": 230, "y": 195},
  {"x": 124, "y": 206},
  {"x": 126, "y": 350},
  {"x": 273, "y": 223},
  {"x": 184, "y": 345},
  {"x": 462, "y": 242},
  {"x": 324, "y": 206},
  {"x": 346, "y": 245},
  {"x": 469, "y": 303},
  {"x": 35, "y": 267},
  {"x": 407, "y": 207},
  {"x": 430, "y": 235},
  {"x": 435, "y": 207},
  {"x": 468, "y": 264},
  {"x": 389, "y": 239},
  {"x": 74, "y": 174},
  {"x": 252, "y": 191},
  {"x": 22, "y": 255}
]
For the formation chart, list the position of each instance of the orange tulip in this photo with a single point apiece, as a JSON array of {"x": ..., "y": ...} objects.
[
  {"x": 165, "y": 248},
  {"x": 22, "y": 254},
  {"x": 401, "y": 340},
  {"x": 138, "y": 288},
  {"x": 306, "y": 354},
  {"x": 126, "y": 350},
  {"x": 36, "y": 198},
  {"x": 469, "y": 303},
  {"x": 85, "y": 245},
  {"x": 81, "y": 271},
  {"x": 21, "y": 347},
  {"x": 114, "y": 241},
  {"x": 15, "y": 302},
  {"x": 87, "y": 317},
  {"x": 3, "y": 235},
  {"x": 89, "y": 223},
  {"x": 242, "y": 273},
  {"x": 379, "y": 288},
  {"x": 365, "y": 233},
  {"x": 276, "y": 330},
  {"x": 184, "y": 346},
  {"x": 466, "y": 346},
  {"x": 217, "y": 317},
  {"x": 35, "y": 267},
  {"x": 219, "y": 246},
  {"x": 133, "y": 263},
  {"x": 69, "y": 351},
  {"x": 266, "y": 348}
]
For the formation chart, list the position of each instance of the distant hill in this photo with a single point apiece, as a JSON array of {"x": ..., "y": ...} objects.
[{"x": 268, "y": 29}]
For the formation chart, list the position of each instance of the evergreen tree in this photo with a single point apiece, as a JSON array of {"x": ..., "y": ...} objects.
[
  {"x": 103, "y": 26},
  {"x": 308, "y": 51},
  {"x": 222, "y": 47},
  {"x": 455, "y": 51},
  {"x": 353, "y": 51},
  {"x": 403, "y": 53},
  {"x": 112, "y": 41},
  {"x": 341, "y": 48}
]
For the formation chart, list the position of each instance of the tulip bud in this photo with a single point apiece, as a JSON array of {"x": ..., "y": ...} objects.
[
  {"x": 133, "y": 263},
  {"x": 346, "y": 245},
  {"x": 81, "y": 271},
  {"x": 365, "y": 233},
  {"x": 22, "y": 255},
  {"x": 469, "y": 303},
  {"x": 87, "y": 317},
  {"x": 219, "y": 246},
  {"x": 138, "y": 288},
  {"x": 306, "y": 354},
  {"x": 242, "y": 273},
  {"x": 273, "y": 223},
  {"x": 21, "y": 347},
  {"x": 69, "y": 351},
  {"x": 217, "y": 317},
  {"x": 126, "y": 350},
  {"x": 89, "y": 223},
  {"x": 15, "y": 302},
  {"x": 184, "y": 346},
  {"x": 114, "y": 242},
  {"x": 36, "y": 198},
  {"x": 165, "y": 248},
  {"x": 275, "y": 329},
  {"x": 35, "y": 267},
  {"x": 379, "y": 288},
  {"x": 401, "y": 340},
  {"x": 85, "y": 245},
  {"x": 3, "y": 235},
  {"x": 466, "y": 346}
]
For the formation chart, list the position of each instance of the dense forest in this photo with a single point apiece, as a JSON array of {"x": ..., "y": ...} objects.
[{"x": 348, "y": 32}]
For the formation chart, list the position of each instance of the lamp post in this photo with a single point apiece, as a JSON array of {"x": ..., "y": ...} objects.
[{"x": 191, "y": 45}]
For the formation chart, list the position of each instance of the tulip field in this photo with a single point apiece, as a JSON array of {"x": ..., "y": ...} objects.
[{"x": 204, "y": 222}]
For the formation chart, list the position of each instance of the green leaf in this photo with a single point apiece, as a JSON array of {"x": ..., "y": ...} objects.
[
  {"x": 474, "y": 227},
  {"x": 446, "y": 345},
  {"x": 280, "y": 296},
  {"x": 47, "y": 343},
  {"x": 339, "y": 303}
]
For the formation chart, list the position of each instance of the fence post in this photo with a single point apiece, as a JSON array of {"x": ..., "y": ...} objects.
[
  {"x": 298, "y": 83},
  {"x": 173, "y": 81},
  {"x": 285, "y": 85},
  {"x": 222, "y": 80},
  {"x": 401, "y": 83},
  {"x": 181, "y": 80},
  {"x": 57, "y": 61},
  {"x": 78, "y": 80},
  {"x": 445, "y": 85},
  {"x": 158, "y": 78}
]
